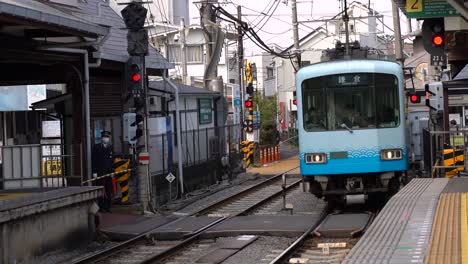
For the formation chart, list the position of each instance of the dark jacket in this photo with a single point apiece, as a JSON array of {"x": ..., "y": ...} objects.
[{"x": 102, "y": 159}]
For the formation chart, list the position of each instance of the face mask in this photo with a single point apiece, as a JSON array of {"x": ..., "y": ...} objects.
[{"x": 105, "y": 140}]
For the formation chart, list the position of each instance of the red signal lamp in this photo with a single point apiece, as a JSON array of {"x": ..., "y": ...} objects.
[
  {"x": 295, "y": 101},
  {"x": 437, "y": 40},
  {"x": 414, "y": 98},
  {"x": 248, "y": 104},
  {"x": 136, "y": 77}
]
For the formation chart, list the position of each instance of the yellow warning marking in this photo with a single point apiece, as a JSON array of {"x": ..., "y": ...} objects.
[
  {"x": 464, "y": 228},
  {"x": 125, "y": 188},
  {"x": 414, "y": 6},
  {"x": 124, "y": 199},
  {"x": 9, "y": 196},
  {"x": 123, "y": 177}
]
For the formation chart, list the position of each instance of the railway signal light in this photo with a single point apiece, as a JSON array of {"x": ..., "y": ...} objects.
[
  {"x": 134, "y": 16},
  {"x": 433, "y": 36},
  {"x": 253, "y": 69},
  {"x": 294, "y": 98},
  {"x": 248, "y": 124},
  {"x": 249, "y": 89},
  {"x": 414, "y": 98},
  {"x": 248, "y": 103},
  {"x": 135, "y": 78},
  {"x": 435, "y": 96}
]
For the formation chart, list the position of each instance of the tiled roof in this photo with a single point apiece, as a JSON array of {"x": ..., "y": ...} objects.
[{"x": 44, "y": 13}]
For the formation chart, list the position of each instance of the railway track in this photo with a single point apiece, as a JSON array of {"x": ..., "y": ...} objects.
[
  {"x": 329, "y": 248},
  {"x": 145, "y": 249}
]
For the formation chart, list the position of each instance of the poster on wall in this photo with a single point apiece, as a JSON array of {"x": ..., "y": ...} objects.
[{"x": 51, "y": 129}]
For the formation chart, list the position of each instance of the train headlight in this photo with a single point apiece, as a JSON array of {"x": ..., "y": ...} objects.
[
  {"x": 391, "y": 154},
  {"x": 315, "y": 158}
]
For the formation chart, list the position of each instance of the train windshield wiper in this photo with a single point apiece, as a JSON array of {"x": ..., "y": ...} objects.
[{"x": 347, "y": 127}]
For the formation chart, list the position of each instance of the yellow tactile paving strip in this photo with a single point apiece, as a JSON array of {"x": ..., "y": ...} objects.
[
  {"x": 464, "y": 228},
  {"x": 9, "y": 196},
  {"x": 449, "y": 237}
]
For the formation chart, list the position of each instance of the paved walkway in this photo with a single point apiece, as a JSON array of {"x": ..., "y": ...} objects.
[{"x": 278, "y": 167}]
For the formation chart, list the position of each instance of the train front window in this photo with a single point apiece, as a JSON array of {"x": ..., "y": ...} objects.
[{"x": 350, "y": 101}]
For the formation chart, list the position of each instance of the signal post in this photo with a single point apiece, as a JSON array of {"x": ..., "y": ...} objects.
[
  {"x": 247, "y": 146},
  {"x": 134, "y": 132}
]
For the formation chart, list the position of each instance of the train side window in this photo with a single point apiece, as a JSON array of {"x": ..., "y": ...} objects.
[
  {"x": 387, "y": 100},
  {"x": 313, "y": 111}
]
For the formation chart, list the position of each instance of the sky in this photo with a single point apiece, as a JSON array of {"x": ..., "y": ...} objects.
[{"x": 278, "y": 28}]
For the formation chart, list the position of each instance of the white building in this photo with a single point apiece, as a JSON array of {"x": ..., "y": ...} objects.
[{"x": 170, "y": 46}]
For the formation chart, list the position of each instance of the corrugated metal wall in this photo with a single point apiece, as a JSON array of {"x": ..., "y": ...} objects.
[{"x": 106, "y": 96}]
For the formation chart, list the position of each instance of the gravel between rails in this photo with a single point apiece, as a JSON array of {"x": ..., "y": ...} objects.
[
  {"x": 304, "y": 203},
  {"x": 66, "y": 256},
  {"x": 262, "y": 250}
]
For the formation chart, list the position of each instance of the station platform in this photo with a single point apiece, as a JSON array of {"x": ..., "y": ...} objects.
[
  {"x": 32, "y": 222},
  {"x": 426, "y": 222}
]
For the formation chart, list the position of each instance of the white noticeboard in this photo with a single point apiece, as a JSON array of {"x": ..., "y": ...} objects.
[
  {"x": 455, "y": 117},
  {"x": 51, "y": 129},
  {"x": 253, "y": 136}
]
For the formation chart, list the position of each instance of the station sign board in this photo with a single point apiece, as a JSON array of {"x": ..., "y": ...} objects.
[{"x": 429, "y": 8}]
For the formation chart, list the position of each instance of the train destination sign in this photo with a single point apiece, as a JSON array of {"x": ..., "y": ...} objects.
[{"x": 352, "y": 79}]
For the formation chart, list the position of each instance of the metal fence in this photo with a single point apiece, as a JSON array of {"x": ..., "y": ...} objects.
[
  {"x": 445, "y": 152},
  {"x": 198, "y": 146},
  {"x": 40, "y": 166}
]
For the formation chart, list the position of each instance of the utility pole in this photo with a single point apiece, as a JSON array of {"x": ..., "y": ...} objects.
[
  {"x": 397, "y": 30},
  {"x": 183, "y": 52},
  {"x": 409, "y": 28},
  {"x": 297, "y": 61},
  {"x": 346, "y": 21},
  {"x": 136, "y": 130},
  {"x": 240, "y": 62}
]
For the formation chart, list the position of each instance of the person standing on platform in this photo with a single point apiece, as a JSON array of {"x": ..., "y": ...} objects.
[{"x": 102, "y": 164}]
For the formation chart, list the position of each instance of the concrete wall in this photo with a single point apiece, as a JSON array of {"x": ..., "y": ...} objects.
[{"x": 40, "y": 223}]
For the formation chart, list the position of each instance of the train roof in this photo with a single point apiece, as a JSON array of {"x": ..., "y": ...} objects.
[{"x": 349, "y": 66}]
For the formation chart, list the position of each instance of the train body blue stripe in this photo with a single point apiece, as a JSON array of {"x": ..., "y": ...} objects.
[{"x": 352, "y": 166}]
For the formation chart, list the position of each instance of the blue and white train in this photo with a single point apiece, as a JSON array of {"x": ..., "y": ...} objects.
[{"x": 351, "y": 124}]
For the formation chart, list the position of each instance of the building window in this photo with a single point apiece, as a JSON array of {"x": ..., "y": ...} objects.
[
  {"x": 269, "y": 72},
  {"x": 194, "y": 53},
  {"x": 173, "y": 53}
]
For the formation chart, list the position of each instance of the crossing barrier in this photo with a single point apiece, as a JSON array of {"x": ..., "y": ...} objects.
[
  {"x": 121, "y": 165},
  {"x": 454, "y": 158},
  {"x": 247, "y": 147}
]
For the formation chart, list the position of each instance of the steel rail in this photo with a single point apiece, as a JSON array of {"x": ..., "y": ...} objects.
[
  {"x": 281, "y": 258},
  {"x": 188, "y": 241},
  {"x": 243, "y": 193},
  {"x": 99, "y": 256}
]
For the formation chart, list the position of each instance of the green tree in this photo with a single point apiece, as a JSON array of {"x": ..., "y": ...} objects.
[{"x": 267, "y": 108}]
